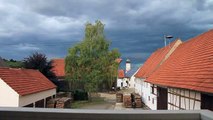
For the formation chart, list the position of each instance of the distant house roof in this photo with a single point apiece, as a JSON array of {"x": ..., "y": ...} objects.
[
  {"x": 25, "y": 81},
  {"x": 131, "y": 72},
  {"x": 155, "y": 60},
  {"x": 118, "y": 60},
  {"x": 59, "y": 67},
  {"x": 189, "y": 67},
  {"x": 2, "y": 63},
  {"x": 121, "y": 73}
]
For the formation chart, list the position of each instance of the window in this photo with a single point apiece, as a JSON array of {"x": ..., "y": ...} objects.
[
  {"x": 149, "y": 98},
  {"x": 152, "y": 89},
  {"x": 153, "y": 101}
]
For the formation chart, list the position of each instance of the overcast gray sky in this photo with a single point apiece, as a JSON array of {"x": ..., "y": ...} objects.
[{"x": 135, "y": 27}]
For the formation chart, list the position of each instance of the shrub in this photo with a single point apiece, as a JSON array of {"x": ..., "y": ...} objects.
[{"x": 80, "y": 94}]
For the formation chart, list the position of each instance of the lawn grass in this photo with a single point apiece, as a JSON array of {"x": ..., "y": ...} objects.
[{"x": 79, "y": 104}]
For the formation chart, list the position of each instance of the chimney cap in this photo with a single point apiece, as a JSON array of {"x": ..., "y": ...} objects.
[{"x": 128, "y": 60}]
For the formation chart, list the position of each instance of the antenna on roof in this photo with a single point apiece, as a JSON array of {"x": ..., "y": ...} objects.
[{"x": 167, "y": 37}]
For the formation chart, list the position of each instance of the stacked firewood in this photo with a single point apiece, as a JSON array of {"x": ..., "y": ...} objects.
[
  {"x": 52, "y": 102},
  {"x": 137, "y": 100},
  {"x": 119, "y": 97},
  {"x": 63, "y": 102},
  {"x": 127, "y": 100}
]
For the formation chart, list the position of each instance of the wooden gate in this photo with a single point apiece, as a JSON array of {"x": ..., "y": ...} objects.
[{"x": 162, "y": 99}]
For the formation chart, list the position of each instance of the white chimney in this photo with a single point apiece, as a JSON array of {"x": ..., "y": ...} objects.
[{"x": 128, "y": 65}]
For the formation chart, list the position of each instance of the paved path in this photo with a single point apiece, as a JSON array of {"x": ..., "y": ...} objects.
[
  {"x": 104, "y": 106},
  {"x": 110, "y": 102}
]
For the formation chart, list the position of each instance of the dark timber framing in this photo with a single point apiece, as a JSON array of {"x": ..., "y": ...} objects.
[{"x": 183, "y": 99}]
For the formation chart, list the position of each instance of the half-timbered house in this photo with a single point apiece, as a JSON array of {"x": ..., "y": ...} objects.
[
  {"x": 148, "y": 91},
  {"x": 185, "y": 80},
  {"x": 24, "y": 88}
]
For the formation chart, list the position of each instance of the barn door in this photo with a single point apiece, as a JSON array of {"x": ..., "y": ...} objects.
[
  {"x": 206, "y": 101},
  {"x": 162, "y": 99}
]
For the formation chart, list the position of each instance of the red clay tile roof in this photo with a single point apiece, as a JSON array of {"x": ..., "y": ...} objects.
[
  {"x": 121, "y": 73},
  {"x": 59, "y": 67},
  {"x": 190, "y": 66},
  {"x": 25, "y": 81},
  {"x": 118, "y": 60},
  {"x": 154, "y": 61}
]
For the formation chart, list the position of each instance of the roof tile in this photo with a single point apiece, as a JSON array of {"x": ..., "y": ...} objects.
[
  {"x": 155, "y": 60},
  {"x": 121, "y": 73},
  {"x": 189, "y": 67},
  {"x": 59, "y": 67},
  {"x": 25, "y": 81}
]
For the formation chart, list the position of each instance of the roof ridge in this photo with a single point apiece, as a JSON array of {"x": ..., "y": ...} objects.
[
  {"x": 9, "y": 68},
  {"x": 191, "y": 63},
  {"x": 203, "y": 33},
  {"x": 57, "y": 58},
  {"x": 155, "y": 59}
]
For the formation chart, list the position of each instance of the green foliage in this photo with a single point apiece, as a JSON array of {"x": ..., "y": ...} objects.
[
  {"x": 39, "y": 62},
  {"x": 80, "y": 95},
  {"x": 81, "y": 104},
  {"x": 92, "y": 62},
  {"x": 13, "y": 63}
]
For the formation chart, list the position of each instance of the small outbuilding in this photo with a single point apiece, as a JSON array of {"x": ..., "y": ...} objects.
[{"x": 24, "y": 88}]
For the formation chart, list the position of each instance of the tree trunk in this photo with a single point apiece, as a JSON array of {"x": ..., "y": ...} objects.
[{"x": 89, "y": 96}]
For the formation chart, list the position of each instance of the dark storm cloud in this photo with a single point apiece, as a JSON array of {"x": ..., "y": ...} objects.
[{"x": 135, "y": 27}]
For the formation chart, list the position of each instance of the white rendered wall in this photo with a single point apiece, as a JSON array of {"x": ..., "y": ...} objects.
[
  {"x": 183, "y": 99},
  {"x": 32, "y": 98},
  {"x": 132, "y": 80},
  {"x": 125, "y": 80},
  {"x": 8, "y": 97},
  {"x": 144, "y": 89},
  {"x": 148, "y": 98},
  {"x": 120, "y": 81},
  {"x": 138, "y": 86}
]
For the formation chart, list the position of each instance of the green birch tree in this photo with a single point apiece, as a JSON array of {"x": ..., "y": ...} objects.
[{"x": 91, "y": 63}]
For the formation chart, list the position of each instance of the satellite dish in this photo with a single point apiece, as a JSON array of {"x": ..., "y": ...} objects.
[{"x": 169, "y": 36}]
